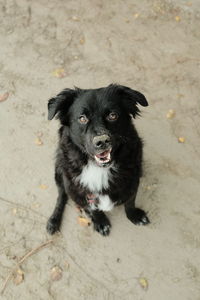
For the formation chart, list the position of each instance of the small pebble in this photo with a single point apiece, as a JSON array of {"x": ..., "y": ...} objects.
[
  {"x": 170, "y": 114},
  {"x": 75, "y": 18},
  {"x": 177, "y": 18},
  {"x": 38, "y": 141},
  {"x": 181, "y": 140},
  {"x": 56, "y": 273}
]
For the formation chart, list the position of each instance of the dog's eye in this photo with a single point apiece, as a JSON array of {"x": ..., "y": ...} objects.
[
  {"x": 83, "y": 119},
  {"x": 112, "y": 116}
]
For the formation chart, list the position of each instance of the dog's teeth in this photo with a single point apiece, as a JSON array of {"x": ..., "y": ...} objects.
[
  {"x": 103, "y": 160},
  {"x": 97, "y": 159}
]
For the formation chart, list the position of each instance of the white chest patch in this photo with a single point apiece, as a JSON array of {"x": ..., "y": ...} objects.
[
  {"x": 105, "y": 203},
  {"x": 94, "y": 178}
]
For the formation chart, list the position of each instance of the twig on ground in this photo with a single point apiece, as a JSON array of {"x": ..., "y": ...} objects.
[
  {"x": 27, "y": 255},
  {"x": 18, "y": 205}
]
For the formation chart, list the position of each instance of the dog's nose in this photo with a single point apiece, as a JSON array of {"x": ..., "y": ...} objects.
[{"x": 101, "y": 141}]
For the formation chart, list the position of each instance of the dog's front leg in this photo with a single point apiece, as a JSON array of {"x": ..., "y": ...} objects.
[
  {"x": 135, "y": 215},
  {"x": 100, "y": 221},
  {"x": 54, "y": 221}
]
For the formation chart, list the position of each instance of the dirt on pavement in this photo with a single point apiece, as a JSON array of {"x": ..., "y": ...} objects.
[{"x": 151, "y": 46}]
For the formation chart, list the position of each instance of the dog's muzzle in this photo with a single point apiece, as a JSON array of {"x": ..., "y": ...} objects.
[{"x": 102, "y": 146}]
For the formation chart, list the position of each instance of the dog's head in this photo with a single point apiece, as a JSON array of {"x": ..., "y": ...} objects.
[{"x": 99, "y": 120}]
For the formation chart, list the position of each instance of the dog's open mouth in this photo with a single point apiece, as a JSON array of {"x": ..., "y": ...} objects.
[{"x": 103, "y": 158}]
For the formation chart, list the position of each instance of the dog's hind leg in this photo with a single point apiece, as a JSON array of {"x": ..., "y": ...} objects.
[
  {"x": 135, "y": 215},
  {"x": 54, "y": 221}
]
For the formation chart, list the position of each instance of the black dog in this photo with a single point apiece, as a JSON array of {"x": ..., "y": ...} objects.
[{"x": 99, "y": 157}]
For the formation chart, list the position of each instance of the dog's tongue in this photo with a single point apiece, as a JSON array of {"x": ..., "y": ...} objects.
[{"x": 103, "y": 154}]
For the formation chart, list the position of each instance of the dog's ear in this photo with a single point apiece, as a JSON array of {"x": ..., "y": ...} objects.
[
  {"x": 135, "y": 96},
  {"x": 131, "y": 98},
  {"x": 61, "y": 103}
]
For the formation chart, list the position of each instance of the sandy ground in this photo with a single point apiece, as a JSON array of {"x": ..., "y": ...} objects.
[{"x": 151, "y": 46}]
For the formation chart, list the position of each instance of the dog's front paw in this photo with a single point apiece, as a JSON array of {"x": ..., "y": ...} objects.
[
  {"x": 102, "y": 226},
  {"x": 53, "y": 225},
  {"x": 137, "y": 216}
]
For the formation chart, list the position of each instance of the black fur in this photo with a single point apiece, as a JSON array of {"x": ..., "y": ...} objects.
[{"x": 76, "y": 147}]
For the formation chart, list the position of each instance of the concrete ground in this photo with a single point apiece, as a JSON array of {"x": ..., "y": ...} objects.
[{"x": 151, "y": 46}]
